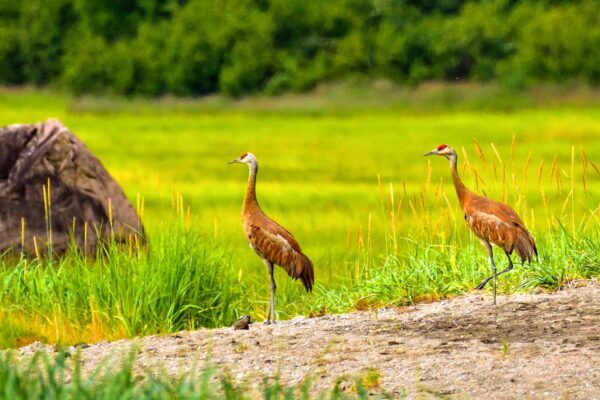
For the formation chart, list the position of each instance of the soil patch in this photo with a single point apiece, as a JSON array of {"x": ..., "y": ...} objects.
[{"x": 528, "y": 346}]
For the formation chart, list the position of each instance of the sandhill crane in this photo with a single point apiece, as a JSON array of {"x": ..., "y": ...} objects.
[
  {"x": 272, "y": 242},
  {"x": 493, "y": 222}
]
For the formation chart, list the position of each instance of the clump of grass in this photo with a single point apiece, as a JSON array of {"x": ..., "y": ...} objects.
[
  {"x": 430, "y": 274},
  {"x": 504, "y": 352},
  {"x": 182, "y": 281},
  {"x": 566, "y": 258},
  {"x": 371, "y": 378}
]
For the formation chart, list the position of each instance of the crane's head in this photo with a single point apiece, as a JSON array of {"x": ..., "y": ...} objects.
[
  {"x": 246, "y": 158},
  {"x": 443, "y": 150}
]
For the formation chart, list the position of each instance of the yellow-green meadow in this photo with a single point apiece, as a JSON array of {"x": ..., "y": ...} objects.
[{"x": 346, "y": 177}]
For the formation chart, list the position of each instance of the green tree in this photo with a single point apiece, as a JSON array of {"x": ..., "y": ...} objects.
[{"x": 561, "y": 43}]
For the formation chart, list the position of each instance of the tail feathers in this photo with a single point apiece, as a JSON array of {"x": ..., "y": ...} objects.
[
  {"x": 525, "y": 247},
  {"x": 303, "y": 270},
  {"x": 308, "y": 274}
]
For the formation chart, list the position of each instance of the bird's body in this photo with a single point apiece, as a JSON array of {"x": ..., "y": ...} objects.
[
  {"x": 494, "y": 223},
  {"x": 276, "y": 245},
  {"x": 499, "y": 225},
  {"x": 272, "y": 242}
]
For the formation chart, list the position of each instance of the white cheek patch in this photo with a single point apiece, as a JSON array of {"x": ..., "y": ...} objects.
[{"x": 248, "y": 158}]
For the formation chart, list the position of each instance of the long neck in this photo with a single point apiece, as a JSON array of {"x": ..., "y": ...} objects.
[
  {"x": 461, "y": 190},
  {"x": 250, "y": 198}
]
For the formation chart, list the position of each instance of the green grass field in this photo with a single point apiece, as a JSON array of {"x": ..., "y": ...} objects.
[{"x": 342, "y": 170}]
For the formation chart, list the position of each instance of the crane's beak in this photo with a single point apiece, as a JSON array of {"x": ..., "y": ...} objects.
[
  {"x": 233, "y": 161},
  {"x": 431, "y": 153}
]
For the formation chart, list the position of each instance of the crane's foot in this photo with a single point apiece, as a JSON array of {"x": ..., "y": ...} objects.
[
  {"x": 270, "y": 319},
  {"x": 482, "y": 284}
]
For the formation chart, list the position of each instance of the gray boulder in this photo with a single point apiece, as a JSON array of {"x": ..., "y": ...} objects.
[{"x": 82, "y": 193}]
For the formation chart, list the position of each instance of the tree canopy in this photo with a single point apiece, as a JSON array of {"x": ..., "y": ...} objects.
[{"x": 236, "y": 47}]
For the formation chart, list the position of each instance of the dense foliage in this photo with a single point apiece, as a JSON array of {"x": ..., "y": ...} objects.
[{"x": 194, "y": 47}]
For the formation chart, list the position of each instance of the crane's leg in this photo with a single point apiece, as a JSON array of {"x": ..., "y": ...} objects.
[
  {"x": 273, "y": 287},
  {"x": 510, "y": 264},
  {"x": 488, "y": 247}
]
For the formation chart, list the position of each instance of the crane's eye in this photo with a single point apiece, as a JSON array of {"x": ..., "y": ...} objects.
[{"x": 441, "y": 147}]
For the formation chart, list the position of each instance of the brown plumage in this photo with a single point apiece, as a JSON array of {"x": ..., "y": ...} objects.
[
  {"x": 493, "y": 222},
  {"x": 272, "y": 242}
]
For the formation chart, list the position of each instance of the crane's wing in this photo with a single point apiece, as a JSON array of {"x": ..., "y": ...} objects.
[
  {"x": 278, "y": 246},
  {"x": 501, "y": 225}
]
